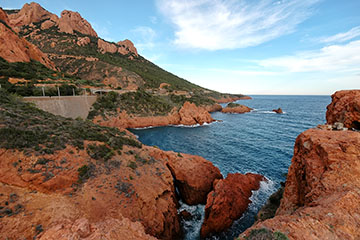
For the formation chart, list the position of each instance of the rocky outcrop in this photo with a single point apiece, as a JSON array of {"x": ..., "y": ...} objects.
[
  {"x": 126, "y": 47},
  {"x": 236, "y": 108},
  {"x": 16, "y": 49},
  {"x": 83, "y": 41},
  {"x": 105, "y": 47},
  {"x": 4, "y": 17},
  {"x": 322, "y": 188},
  {"x": 72, "y": 21},
  {"x": 228, "y": 201},
  {"x": 278, "y": 111},
  {"x": 189, "y": 114},
  {"x": 194, "y": 177},
  {"x": 30, "y": 13},
  {"x": 345, "y": 109},
  {"x": 213, "y": 108},
  {"x": 47, "y": 24}
]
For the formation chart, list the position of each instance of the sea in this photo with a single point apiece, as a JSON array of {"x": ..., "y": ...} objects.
[{"x": 260, "y": 141}]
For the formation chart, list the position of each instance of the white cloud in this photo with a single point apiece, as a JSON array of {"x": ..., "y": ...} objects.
[
  {"x": 145, "y": 37},
  {"x": 334, "y": 58},
  {"x": 230, "y": 24},
  {"x": 343, "y": 37}
]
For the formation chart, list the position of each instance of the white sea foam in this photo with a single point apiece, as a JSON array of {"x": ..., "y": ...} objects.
[
  {"x": 142, "y": 128},
  {"x": 192, "y": 227},
  {"x": 260, "y": 196}
]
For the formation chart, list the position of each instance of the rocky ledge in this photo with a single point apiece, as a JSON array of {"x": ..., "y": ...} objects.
[{"x": 321, "y": 198}]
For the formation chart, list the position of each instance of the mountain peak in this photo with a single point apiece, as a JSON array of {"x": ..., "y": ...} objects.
[
  {"x": 30, "y": 13},
  {"x": 72, "y": 21}
]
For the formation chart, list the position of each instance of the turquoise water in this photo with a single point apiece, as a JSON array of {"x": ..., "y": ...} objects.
[{"x": 260, "y": 141}]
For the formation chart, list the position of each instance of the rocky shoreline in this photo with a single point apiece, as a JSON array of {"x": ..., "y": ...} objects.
[{"x": 321, "y": 196}]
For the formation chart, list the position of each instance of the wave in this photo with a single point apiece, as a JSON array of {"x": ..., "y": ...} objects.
[
  {"x": 192, "y": 227},
  {"x": 260, "y": 196},
  {"x": 193, "y": 126},
  {"x": 265, "y": 111},
  {"x": 143, "y": 128}
]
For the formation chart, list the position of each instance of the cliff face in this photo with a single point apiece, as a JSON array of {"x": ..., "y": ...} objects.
[
  {"x": 16, "y": 49},
  {"x": 72, "y": 21},
  {"x": 321, "y": 196},
  {"x": 30, "y": 13},
  {"x": 345, "y": 109}
]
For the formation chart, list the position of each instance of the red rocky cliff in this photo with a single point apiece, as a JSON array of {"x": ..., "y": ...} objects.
[
  {"x": 321, "y": 199},
  {"x": 228, "y": 201},
  {"x": 345, "y": 108},
  {"x": 30, "y": 13},
  {"x": 16, "y": 49},
  {"x": 72, "y": 21}
]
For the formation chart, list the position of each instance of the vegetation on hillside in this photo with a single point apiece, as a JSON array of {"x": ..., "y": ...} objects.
[
  {"x": 25, "y": 127},
  {"x": 142, "y": 103},
  {"x": 152, "y": 74}
]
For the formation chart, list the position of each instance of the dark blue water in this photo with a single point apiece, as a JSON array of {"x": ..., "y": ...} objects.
[{"x": 260, "y": 141}]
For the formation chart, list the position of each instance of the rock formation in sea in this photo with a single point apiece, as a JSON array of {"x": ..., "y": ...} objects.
[
  {"x": 321, "y": 197},
  {"x": 279, "y": 111},
  {"x": 228, "y": 201},
  {"x": 236, "y": 108}
]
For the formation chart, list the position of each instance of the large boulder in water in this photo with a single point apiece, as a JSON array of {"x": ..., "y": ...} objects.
[
  {"x": 345, "y": 109},
  {"x": 228, "y": 201}
]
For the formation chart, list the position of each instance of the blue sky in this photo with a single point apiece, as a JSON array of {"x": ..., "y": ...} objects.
[{"x": 236, "y": 46}]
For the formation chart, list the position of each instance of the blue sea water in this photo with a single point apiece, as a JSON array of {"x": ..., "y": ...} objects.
[{"x": 260, "y": 141}]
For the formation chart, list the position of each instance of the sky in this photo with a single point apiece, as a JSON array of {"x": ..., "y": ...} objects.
[{"x": 305, "y": 47}]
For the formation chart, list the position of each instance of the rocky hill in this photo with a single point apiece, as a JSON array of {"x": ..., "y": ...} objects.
[{"x": 79, "y": 59}]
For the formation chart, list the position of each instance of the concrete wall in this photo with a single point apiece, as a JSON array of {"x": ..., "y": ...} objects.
[{"x": 66, "y": 106}]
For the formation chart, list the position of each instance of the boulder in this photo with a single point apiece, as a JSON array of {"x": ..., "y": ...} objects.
[
  {"x": 193, "y": 176},
  {"x": 228, "y": 201},
  {"x": 345, "y": 109},
  {"x": 127, "y": 46},
  {"x": 72, "y": 21}
]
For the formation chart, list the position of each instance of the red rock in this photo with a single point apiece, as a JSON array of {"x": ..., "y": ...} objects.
[
  {"x": 321, "y": 196},
  {"x": 128, "y": 47},
  {"x": 344, "y": 108},
  {"x": 190, "y": 114},
  {"x": 228, "y": 201},
  {"x": 214, "y": 108},
  {"x": 110, "y": 229},
  {"x": 16, "y": 49},
  {"x": 236, "y": 109},
  {"x": 72, "y": 21},
  {"x": 47, "y": 24},
  {"x": 105, "y": 47},
  {"x": 185, "y": 215},
  {"x": 83, "y": 41},
  {"x": 279, "y": 111},
  {"x": 31, "y": 13},
  {"x": 194, "y": 177},
  {"x": 4, "y": 16}
]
